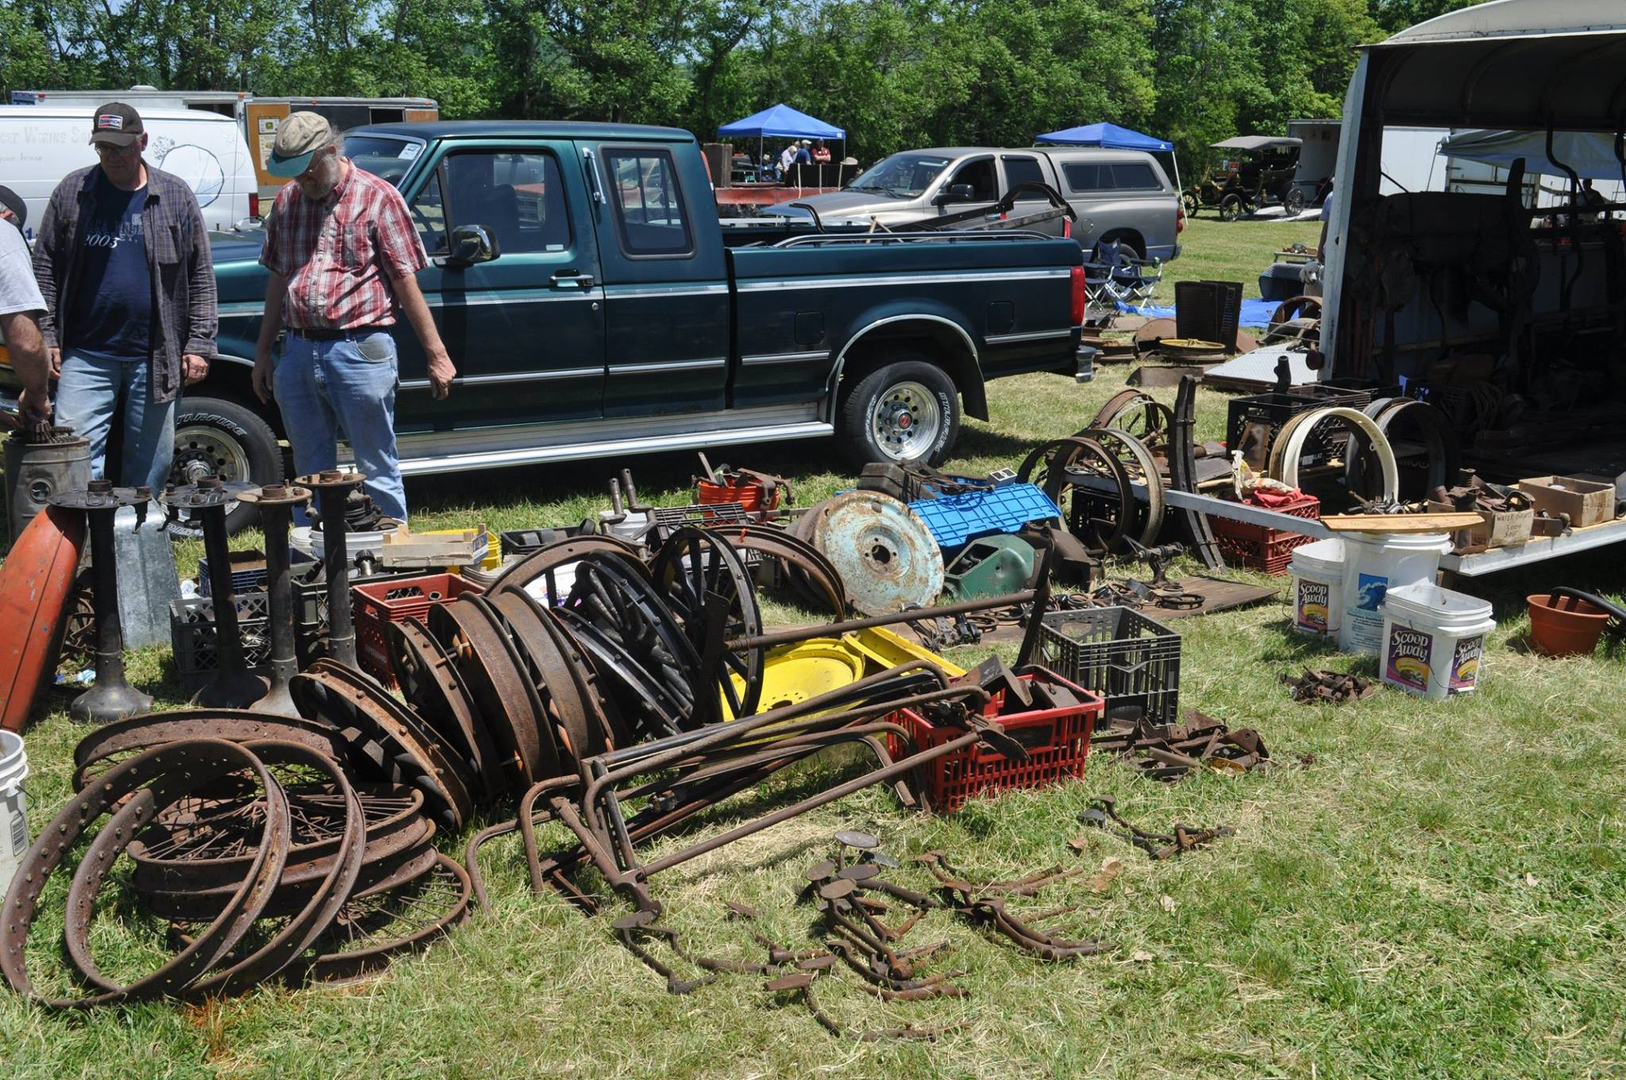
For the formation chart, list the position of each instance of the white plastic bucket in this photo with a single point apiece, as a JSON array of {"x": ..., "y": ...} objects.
[
  {"x": 1372, "y": 566},
  {"x": 1434, "y": 640},
  {"x": 1318, "y": 587},
  {"x": 13, "y": 806}
]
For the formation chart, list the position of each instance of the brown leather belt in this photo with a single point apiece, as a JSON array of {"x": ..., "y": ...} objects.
[{"x": 339, "y": 335}]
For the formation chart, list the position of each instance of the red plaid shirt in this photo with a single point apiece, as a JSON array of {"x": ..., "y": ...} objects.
[{"x": 339, "y": 255}]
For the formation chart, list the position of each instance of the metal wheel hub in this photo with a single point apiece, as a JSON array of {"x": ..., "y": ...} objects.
[
  {"x": 202, "y": 452},
  {"x": 905, "y": 420}
]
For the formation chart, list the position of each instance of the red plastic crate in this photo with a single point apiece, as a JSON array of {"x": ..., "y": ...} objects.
[
  {"x": 1260, "y": 547},
  {"x": 1057, "y": 741},
  {"x": 395, "y": 600}
]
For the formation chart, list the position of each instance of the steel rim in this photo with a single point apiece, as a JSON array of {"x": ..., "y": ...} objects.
[
  {"x": 202, "y": 452},
  {"x": 905, "y": 421}
]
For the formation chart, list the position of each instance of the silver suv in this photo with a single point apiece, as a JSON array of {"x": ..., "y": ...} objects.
[{"x": 1121, "y": 195}]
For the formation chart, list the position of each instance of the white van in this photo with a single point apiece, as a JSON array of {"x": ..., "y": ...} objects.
[{"x": 40, "y": 144}]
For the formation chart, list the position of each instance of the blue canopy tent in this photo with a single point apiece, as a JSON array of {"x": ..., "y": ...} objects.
[
  {"x": 1113, "y": 137},
  {"x": 781, "y": 122}
]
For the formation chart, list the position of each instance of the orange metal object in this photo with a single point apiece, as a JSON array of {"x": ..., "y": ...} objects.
[{"x": 35, "y": 586}]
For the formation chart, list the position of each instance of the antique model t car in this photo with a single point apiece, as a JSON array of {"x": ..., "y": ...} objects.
[{"x": 1256, "y": 171}]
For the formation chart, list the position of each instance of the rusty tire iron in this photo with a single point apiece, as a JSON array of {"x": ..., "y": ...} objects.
[
  {"x": 581, "y": 724},
  {"x": 691, "y": 566},
  {"x": 140, "y": 787},
  {"x": 1047, "y": 466},
  {"x": 496, "y": 687},
  {"x": 334, "y": 963},
  {"x": 388, "y": 736},
  {"x": 541, "y": 564},
  {"x": 303, "y": 927},
  {"x": 140, "y": 733},
  {"x": 812, "y": 577},
  {"x": 432, "y": 685},
  {"x": 190, "y": 890}
]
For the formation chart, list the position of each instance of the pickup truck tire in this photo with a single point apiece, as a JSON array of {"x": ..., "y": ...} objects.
[
  {"x": 904, "y": 411},
  {"x": 218, "y": 437}
]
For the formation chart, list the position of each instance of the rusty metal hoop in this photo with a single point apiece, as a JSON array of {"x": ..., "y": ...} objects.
[
  {"x": 691, "y": 566},
  {"x": 542, "y": 563},
  {"x": 433, "y": 686},
  {"x": 139, "y": 733},
  {"x": 390, "y": 736},
  {"x": 139, "y": 788},
  {"x": 810, "y": 575},
  {"x": 1047, "y": 465}
]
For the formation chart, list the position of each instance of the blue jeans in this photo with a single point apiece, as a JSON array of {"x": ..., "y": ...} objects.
[
  {"x": 87, "y": 399},
  {"x": 326, "y": 389}
]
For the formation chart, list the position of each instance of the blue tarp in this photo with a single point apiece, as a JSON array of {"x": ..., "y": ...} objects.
[
  {"x": 781, "y": 121},
  {"x": 1110, "y": 136},
  {"x": 1254, "y": 312}
]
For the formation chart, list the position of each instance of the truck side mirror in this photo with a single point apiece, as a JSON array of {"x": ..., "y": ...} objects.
[
  {"x": 472, "y": 244},
  {"x": 956, "y": 193}
]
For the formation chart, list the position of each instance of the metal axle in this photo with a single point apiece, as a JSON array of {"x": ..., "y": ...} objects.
[
  {"x": 112, "y": 698},
  {"x": 333, "y": 488},
  {"x": 276, "y": 503}
]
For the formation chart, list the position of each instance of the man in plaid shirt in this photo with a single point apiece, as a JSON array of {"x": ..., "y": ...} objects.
[{"x": 342, "y": 254}]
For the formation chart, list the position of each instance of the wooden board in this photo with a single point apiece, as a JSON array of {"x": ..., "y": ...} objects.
[{"x": 1400, "y": 523}]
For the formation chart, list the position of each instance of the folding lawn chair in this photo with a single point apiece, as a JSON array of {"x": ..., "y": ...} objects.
[{"x": 1115, "y": 275}]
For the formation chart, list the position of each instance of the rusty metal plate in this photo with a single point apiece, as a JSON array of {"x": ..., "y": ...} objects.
[{"x": 886, "y": 556}]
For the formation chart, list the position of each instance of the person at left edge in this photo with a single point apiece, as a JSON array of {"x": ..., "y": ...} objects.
[{"x": 123, "y": 263}]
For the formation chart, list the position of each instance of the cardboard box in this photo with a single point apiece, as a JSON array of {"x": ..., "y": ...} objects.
[
  {"x": 1586, "y": 502},
  {"x": 1506, "y": 528}
]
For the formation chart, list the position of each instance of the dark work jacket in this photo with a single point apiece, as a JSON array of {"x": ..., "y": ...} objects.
[{"x": 178, "y": 256}]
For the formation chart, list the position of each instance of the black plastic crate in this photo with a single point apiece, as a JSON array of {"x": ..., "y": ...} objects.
[
  {"x": 1208, "y": 310},
  {"x": 1273, "y": 410},
  {"x": 310, "y": 610},
  {"x": 525, "y": 541},
  {"x": 1118, "y": 653},
  {"x": 192, "y": 637}
]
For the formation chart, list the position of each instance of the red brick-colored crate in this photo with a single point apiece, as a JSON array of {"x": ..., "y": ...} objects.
[
  {"x": 1260, "y": 547},
  {"x": 395, "y": 600},
  {"x": 1057, "y": 741}
]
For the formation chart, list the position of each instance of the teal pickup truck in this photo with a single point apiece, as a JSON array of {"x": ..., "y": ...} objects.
[{"x": 595, "y": 306}]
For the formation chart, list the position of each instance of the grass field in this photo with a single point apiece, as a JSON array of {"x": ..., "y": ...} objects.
[{"x": 1439, "y": 892}]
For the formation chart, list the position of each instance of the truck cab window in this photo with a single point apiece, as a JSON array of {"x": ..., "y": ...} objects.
[
  {"x": 648, "y": 202},
  {"x": 517, "y": 195},
  {"x": 1022, "y": 170},
  {"x": 980, "y": 175}
]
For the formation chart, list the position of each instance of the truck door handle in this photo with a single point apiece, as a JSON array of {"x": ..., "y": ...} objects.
[{"x": 571, "y": 279}]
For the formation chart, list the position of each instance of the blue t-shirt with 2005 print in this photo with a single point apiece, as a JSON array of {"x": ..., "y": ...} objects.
[{"x": 111, "y": 317}]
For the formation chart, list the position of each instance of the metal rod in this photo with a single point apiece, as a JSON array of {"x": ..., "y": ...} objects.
[
  {"x": 840, "y": 791},
  {"x": 964, "y": 607},
  {"x": 112, "y": 698}
]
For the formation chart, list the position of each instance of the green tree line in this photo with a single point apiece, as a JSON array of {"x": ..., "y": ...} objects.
[{"x": 893, "y": 73}]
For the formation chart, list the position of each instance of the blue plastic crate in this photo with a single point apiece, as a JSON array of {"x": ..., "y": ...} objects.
[{"x": 957, "y": 519}]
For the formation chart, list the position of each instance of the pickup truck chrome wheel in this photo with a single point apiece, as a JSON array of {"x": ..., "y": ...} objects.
[
  {"x": 906, "y": 421},
  {"x": 907, "y": 410}
]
